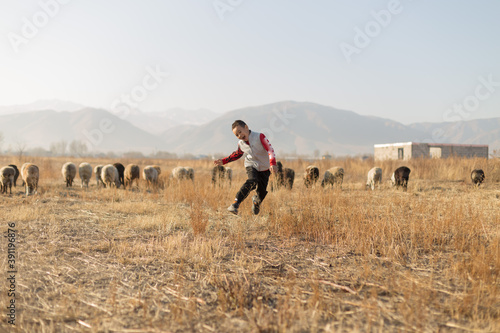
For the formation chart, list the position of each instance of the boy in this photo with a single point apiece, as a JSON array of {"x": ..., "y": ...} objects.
[{"x": 259, "y": 159}]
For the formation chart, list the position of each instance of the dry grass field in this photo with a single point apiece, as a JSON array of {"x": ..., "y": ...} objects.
[{"x": 315, "y": 260}]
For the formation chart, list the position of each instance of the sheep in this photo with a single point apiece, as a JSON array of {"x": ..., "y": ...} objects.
[
  {"x": 374, "y": 176},
  {"x": 477, "y": 177},
  {"x": 98, "y": 179},
  {"x": 109, "y": 174},
  {"x": 157, "y": 167},
  {"x": 69, "y": 172},
  {"x": 7, "y": 174},
  {"x": 190, "y": 173},
  {"x": 132, "y": 172},
  {"x": 30, "y": 174},
  {"x": 221, "y": 173},
  {"x": 333, "y": 176},
  {"x": 121, "y": 170},
  {"x": 284, "y": 177},
  {"x": 85, "y": 173},
  {"x": 311, "y": 175},
  {"x": 150, "y": 175},
  {"x": 17, "y": 173},
  {"x": 400, "y": 177},
  {"x": 179, "y": 173}
]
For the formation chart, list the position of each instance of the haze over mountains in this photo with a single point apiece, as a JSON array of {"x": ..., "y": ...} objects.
[{"x": 293, "y": 128}]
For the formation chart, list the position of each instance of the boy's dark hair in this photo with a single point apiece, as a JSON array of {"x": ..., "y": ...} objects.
[{"x": 238, "y": 123}]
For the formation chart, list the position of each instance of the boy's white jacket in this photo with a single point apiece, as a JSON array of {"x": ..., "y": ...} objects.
[{"x": 256, "y": 154}]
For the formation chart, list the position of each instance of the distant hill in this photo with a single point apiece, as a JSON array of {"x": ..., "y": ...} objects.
[
  {"x": 99, "y": 129},
  {"x": 292, "y": 127},
  {"x": 159, "y": 122},
  {"x": 298, "y": 127},
  {"x": 477, "y": 131},
  {"x": 46, "y": 104}
]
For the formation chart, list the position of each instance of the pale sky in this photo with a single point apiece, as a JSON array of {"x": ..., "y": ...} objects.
[{"x": 407, "y": 60}]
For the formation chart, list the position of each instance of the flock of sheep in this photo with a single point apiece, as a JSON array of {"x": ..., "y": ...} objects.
[
  {"x": 29, "y": 174},
  {"x": 335, "y": 177},
  {"x": 116, "y": 175}
]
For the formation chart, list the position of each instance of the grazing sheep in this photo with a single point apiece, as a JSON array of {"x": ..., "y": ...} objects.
[
  {"x": 477, "y": 177},
  {"x": 150, "y": 175},
  {"x": 17, "y": 173},
  {"x": 333, "y": 176},
  {"x": 85, "y": 173},
  {"x": 179, "y": 173},
  {"x": 132, "y": 172},
  {"x": 157, "y": 167},
  {"x": 30, "y": 175},
  {"x": 374, "y": 176},
  {"x": 311, "y": 175},
  {"x": 98, "y": 179},
  {"x": 121, "y": 170},
  {"x": 7, "y": 174},
  {"x": 190, "y": 173},
  {"x": 400, "y": 177},
  {"x": 284, "y": 177},
  {"x": 109, "y": 174},
  {"x": 220, "y": 174},
  {"x": 69, "y": 173}
]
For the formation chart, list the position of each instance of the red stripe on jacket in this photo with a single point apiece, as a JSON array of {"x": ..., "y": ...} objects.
[
  {"x": 233, "y": 157},
  {"x": 267, "y": 146}
]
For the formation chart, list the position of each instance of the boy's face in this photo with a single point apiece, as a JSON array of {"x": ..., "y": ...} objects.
[{"x": 241, "y": 132}]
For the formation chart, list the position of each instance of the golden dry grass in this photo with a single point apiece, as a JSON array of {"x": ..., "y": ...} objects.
[{"x": 316, "y": 260}]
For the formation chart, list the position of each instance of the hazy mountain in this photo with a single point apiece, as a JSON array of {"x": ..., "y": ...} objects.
[
  {"x": 99, "y": 129},
  {"x": 46, "y": 104},
  {"x": 159, "y": 122},
  {"x": 477, "y": 131},
  {"x": 294, "y": 127}
]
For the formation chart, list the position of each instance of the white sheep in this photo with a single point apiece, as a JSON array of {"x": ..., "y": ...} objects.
[
  {"x": 110, "y": 176},
  {"x": 179, "y": 173},
  {"x": 30, "y": 175},
  {"x": 150, "y": 175},
  {"x": 7, "y": 174},
  {"x": 85, "y": 173},
  {"x": 98, "y": 179},
  {"x": 69, "y": 173},
  {"x": 333, "y": 176},
  {"x": 374, "y": 176}
]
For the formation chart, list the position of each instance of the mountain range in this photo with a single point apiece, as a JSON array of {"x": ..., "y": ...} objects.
[{"x": 292, "y": 127}]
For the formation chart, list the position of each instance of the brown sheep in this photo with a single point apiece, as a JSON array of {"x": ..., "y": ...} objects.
[
  {"x": 284, "y": 177},
  {"x": 121, "y": 170},
  {"x": 333, "y": 176},
  {"x": 7, "y": 174},
  {"x": 477, "y": 177},
  {"x": 400, "y": 177},
  {"x": 132, "y": 172},
  {"x": 30, "y": 175},
  {"x": 311, "y": 175},
  {"x": 220, "y": 174}
]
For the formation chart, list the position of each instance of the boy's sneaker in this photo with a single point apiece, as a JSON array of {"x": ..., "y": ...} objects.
[
  {"x": 233, "y": 209},
  {"x": 255, "y": 205}
]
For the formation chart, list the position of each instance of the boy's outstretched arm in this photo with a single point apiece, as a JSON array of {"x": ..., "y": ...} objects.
[
  {"x": 231, "y": 158},
  {"x": 270, "y": 151}
]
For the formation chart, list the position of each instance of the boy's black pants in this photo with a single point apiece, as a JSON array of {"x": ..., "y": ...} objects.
[{"x": 256, "y": 179}]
